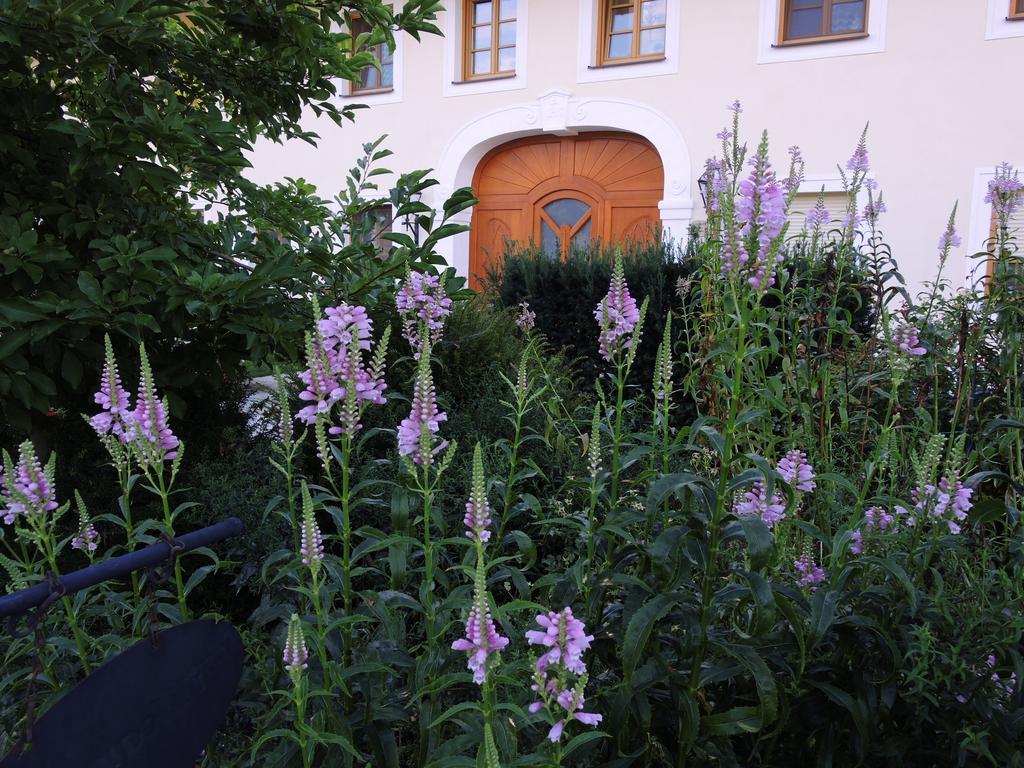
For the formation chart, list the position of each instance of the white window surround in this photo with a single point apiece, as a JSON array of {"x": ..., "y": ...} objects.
[
  {"x": 452, "y": 83},
  {"x": 586, "y": 54},
  {"x": 560, "y": 113},
  {"x": 398, "y": 80},
  {"x": 997, "y": 26},
  {"x": 979, "y": 228},
  {"x": 769, "y": 52}
]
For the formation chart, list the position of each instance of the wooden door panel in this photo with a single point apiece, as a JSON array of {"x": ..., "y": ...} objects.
[
  {"x": 619, "y": 175},
  {"x": 496, "y": 229}
]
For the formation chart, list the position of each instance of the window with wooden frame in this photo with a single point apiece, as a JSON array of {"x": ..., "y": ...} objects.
[
  {"x": 631, "y": 30},
  {"x": 1016, "y": 10},
  {"x": 372, "y": 79},
  {"x": 813, "y": 21},
  {"x": 488, "y": 39},
  {"x": 370, "y": 225}
]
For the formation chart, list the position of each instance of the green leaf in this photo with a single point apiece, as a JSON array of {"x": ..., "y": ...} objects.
[
  {"x": 583, "y": 739},
  {"x": 638, "y": 632}
]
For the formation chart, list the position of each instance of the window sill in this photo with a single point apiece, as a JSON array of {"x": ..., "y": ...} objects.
[
  {"x": 369, "y": 92},
  {"x": 485, "y": 78},
  {"x": 628, "y": 62},
  {"x": 821, "y": 40},
  {"x": 1016, "y": 17}
]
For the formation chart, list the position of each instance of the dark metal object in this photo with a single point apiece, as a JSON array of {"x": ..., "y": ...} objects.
[
  {"x": 35, "y": 626},
  {"x": 147, "y": 557},
  {"x": 146, "y": 708}
]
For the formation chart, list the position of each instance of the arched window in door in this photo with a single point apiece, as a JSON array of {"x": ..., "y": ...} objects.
[{"x": 564, "y": 224}]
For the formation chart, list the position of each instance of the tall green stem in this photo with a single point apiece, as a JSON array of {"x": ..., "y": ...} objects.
[{"x": 165, "y": 500}]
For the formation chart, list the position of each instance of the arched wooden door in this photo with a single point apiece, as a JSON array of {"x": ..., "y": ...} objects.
[{"x": 564, "y": 191}]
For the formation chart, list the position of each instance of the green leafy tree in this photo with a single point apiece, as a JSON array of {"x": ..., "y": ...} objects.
[{"x": 124, "y": 128}]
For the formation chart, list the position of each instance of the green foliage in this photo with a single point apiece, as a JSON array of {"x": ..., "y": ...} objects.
[{"x": 118, "y": 119}]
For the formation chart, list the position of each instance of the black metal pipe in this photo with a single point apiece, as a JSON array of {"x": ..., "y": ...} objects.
[{"x": 26, "y": 599}]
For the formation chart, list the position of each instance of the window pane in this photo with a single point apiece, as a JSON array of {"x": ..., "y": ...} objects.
[
  {"x": 549, "y": 240},
  {"x": 807, "y": 3},
  {"x": 848, "y": 17},
  {"x": 620, "y": 46},
  {"x": 622, "y": 20},
  {"x": 482, "y": 37},
  {"x": 805, "y": 22},
  {"x": 384, "y": 54},
  {"x": 369, "y": 78},
  {"x": 567, "y": 211},
  {"x": 481, "y": 12},
  {"x": 507, "y": 59},
  {"x": 508, "y": 9},
  {"x": 387, "y": 78},
  {"x": 481, "y": 63},
  {"x": 652, "y": 13},
  {"x": 507, "y": 33},
  {"x": 652, "y": 41},
  {"x": 582, "y": 238}
]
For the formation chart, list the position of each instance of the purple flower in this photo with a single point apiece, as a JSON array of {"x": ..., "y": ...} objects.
[
  {"x": 949, "y": 501},
  {"x": 295, "y": 652},
  {"x": 873, "y": 209},
  {"x": 905, "y": 339},
  {"x": 796, "y": 171},
  {"x": 858, "y": 162},
  {"x": 566, "y": 639},
  {"x": 87, "y": 539},
  {"x": 715, "y": 175},
  {"x": 481, "y": 641},
  {"x": 949, "y": 239},
  {"x": 811, "y": 574},
  {"x": 755, "y": 503},
  {"x": 1007, "y": 686},
  {"x": 1004, "y": 192},
  {"x": 735, "y": 107},
  {"x": 416, "y": 433},
  {"x": 25, "y": 488},
  {"x": 795, "y": 471},
  {"x": 336, "y": 371},
  {"x": 112, "y": 398},
  {"x": 761, "y": 210},
  {"x": 525, "y": 317},
  {"x": 572, "y": 701},
  {"x": 616, "y": 314},
  {"x": 149, "y": 434},
  {"x": 818, "y": 216},
  {"x": 856, "y": 543},
  {"x": 421, "y": 301},
  {"x": 879, "y": 518}
]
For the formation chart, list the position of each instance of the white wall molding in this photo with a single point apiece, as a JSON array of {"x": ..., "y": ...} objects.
[
  {"x": 997, "y": 25},
  {"x": 768, "y": 52},
  {"x": 452, "y": 83},
  {"x": 586, "y": 48},
  {"x": 562, "y": 113}
]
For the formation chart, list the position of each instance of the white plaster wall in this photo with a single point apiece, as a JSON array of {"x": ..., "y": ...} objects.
[{"x": 942, "y": 97}]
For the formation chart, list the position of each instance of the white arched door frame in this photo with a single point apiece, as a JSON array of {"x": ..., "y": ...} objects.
[{"x": 560, "y": 113}]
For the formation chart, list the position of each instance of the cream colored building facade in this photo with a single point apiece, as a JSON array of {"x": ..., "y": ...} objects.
[{"x": 940, "y": 82}]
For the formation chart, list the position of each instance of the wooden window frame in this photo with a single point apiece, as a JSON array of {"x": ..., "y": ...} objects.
[
  {"x": 380, "y": 51},
  {"x": 467, "y": 41},
  {"x": 604, "y": 34},
  {"x": 1016, "y": 11},
  {"x": 785, "y": 12}
]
